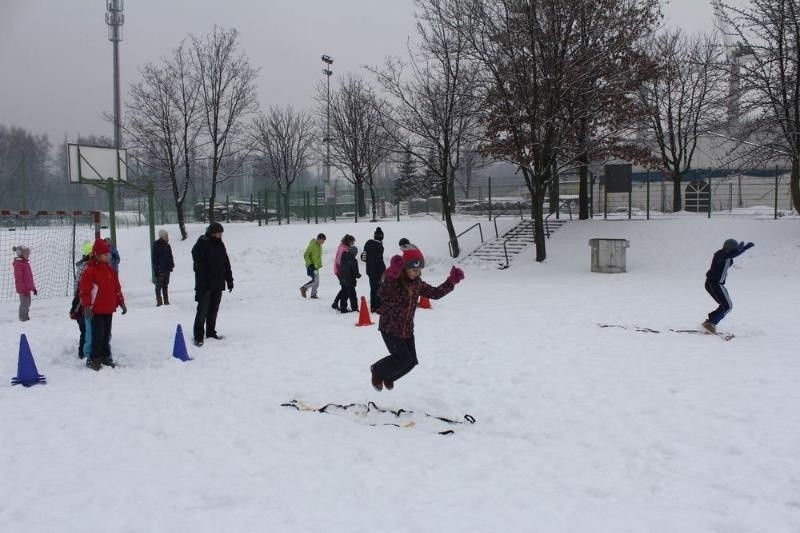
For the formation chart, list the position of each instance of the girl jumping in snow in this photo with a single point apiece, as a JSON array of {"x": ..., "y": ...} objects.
[{"x": 399, "y": 292}]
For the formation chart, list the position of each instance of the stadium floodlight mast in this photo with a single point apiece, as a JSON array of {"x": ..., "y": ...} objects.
[
  {"x": 328, "y": 60},
  {"x": 115, "y": 19}
]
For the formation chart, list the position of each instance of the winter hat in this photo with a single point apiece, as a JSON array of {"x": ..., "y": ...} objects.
[
  {"x": 412, "y": 257},
  {"x": 403, "y": 242},
  {"x": 162, "y": 233},
  {"x": 322, "y": 236},
  {"x": 378, "y": 234},
  {"x": 730, "y": 244},
  {"x": 86, "y": 249},
  {"x": 100, "y": 247},
  {"x": 214, "y": 227}
]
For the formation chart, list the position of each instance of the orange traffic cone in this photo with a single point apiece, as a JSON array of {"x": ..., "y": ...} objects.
[
  {"x": 363, "y": 314},
  {"x": 424, "y": 303}
]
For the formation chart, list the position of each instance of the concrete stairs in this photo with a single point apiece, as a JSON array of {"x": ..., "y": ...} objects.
[{"x": 516, "y": 240}]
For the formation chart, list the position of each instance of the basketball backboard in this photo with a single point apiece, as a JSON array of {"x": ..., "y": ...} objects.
[{"x": 96, "y": 163}]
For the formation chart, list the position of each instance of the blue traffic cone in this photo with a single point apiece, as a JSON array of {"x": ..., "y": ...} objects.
[
  {"x": 179, "y": 348},
  {"x": 27, "y": 374}
]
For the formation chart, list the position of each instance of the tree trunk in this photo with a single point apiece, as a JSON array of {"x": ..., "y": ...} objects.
[
  {"x": 285, "y": 195},
  {"x": 537, "y": 208},
  {"x": 181, "y": 220},
  {"x": 213, "y": 196},
  {"x": 448, "y": 219},
  {"x": 583, "y": 187},
  {"x": 374, "y": 206},
  {"x": 361, "y": 201},
  {"x": 677, "y": 193},
  {"x": 794, "y": 184}
]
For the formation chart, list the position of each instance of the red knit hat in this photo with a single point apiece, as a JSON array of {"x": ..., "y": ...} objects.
[
  {"x": 100, "y": 247},
  {"x": 412, "y": 257}
]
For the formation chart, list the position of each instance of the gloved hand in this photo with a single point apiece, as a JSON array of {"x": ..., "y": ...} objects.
[
  {"x": 748, "y": 245},
  {"x": 230, "y": 286},
  {"x": 358, "y": 275},
  {"x": 124, "y": 308},
  {"x": 87, "y": 313},
  {"x": 456, "y": 275},
  {"x": 35, "y": 292},
  {"x": 73, "y": 314},
  {"x": 395, "y": 267},
  {"x": 310, "y": 270}
]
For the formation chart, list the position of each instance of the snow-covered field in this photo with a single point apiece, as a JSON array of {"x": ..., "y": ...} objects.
[{"x": 579, "y": 428}]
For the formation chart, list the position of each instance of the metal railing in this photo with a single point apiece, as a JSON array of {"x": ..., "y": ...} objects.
[
  {"x": 454, "y": 239},
  {"x": 521, "y": 217}
]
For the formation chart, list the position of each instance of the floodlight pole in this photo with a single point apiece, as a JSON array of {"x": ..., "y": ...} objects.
[
  {"x": 328, "y": 60},
  {"x": 115, "y": 19}
]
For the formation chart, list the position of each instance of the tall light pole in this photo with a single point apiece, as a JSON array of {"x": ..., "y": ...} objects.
[
  {"x": 328, "y": 60},
  {"x": 115, "y": 19}
]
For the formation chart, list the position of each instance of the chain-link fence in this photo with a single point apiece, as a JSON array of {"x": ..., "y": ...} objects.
[{"x": 760, "y": 192}]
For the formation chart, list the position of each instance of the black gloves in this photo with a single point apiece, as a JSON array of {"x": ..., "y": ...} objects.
[{"x": 230, "y": 286}]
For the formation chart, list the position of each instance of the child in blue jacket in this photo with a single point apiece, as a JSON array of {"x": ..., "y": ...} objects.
[{"x": 715, "y": 280}]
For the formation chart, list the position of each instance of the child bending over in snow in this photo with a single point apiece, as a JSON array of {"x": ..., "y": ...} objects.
[
  {"x": 399, "y": 292},
  {"x": 715, "y": 280}
]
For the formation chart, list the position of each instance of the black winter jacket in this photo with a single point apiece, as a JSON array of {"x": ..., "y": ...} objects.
[
  {"x": 212, "y": 268},
  {"x": 348, "y": 271},
  {"x": 162, "y": 257},
  {"x": 722, "y": 261},
  {"x": 373, "y": 251}
]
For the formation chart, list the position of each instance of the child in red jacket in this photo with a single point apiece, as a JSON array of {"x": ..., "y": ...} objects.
[
  {"x": 100, "y": 295},
  {"x": 23, "y": 279},
  {"x": 399, "y": 293}
]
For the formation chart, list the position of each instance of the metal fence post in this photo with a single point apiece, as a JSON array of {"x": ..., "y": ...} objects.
[
  {"x": 777, "y": 179},
  {"x": 710, "y": 195},
  {"x": 490, "y": 197}
]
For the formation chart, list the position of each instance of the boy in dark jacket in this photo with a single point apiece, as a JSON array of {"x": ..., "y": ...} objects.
[
  {"x": 400, "y": 290},
  {"x": 75, "y": 310},
  {"x": 163, "y": 264},
  {"x": 100, "y": 295},
  {"x": 715, "y": 280},
  {"x": 212, "y": 272},
  {"x": 373, "y": 256},
  {"x": 348, "y": 274}
]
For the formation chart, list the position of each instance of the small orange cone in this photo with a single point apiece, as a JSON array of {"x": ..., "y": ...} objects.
[
  {"x": 424, "y": 303},
  {"x": 363, "y": 314}
]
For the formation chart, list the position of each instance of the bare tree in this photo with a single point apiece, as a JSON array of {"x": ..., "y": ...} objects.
[
  {"x": 358, "y": 142},
  {"x": 471, "y": 160},
  {"x": 284, "y": 138},
  {"x": 768, "y": 35},
  {"x": 434, "y": 101},
  {"x": 24, "y": 168},
  {"x": 523, "y": 49},
  {"x": 601, "y": 105},
  {"x": 227, "y": 95},
  {"x": 163, "y": 123},
  {"x": 684, "y": 101}
]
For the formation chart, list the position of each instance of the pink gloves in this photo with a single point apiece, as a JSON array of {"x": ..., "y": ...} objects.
[
  {"x": 456, "y": 275},
  {"x": 395, "y": 267}
]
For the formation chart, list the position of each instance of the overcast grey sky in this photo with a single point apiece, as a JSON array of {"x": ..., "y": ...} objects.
[{"x": 56, "y": 60}]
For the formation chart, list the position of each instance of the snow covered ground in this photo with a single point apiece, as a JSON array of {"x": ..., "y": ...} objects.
[{"x": 579, "y": 428}]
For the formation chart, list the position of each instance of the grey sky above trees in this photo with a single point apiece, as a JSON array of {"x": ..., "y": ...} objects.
[{"x": 55, "y": 57}]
